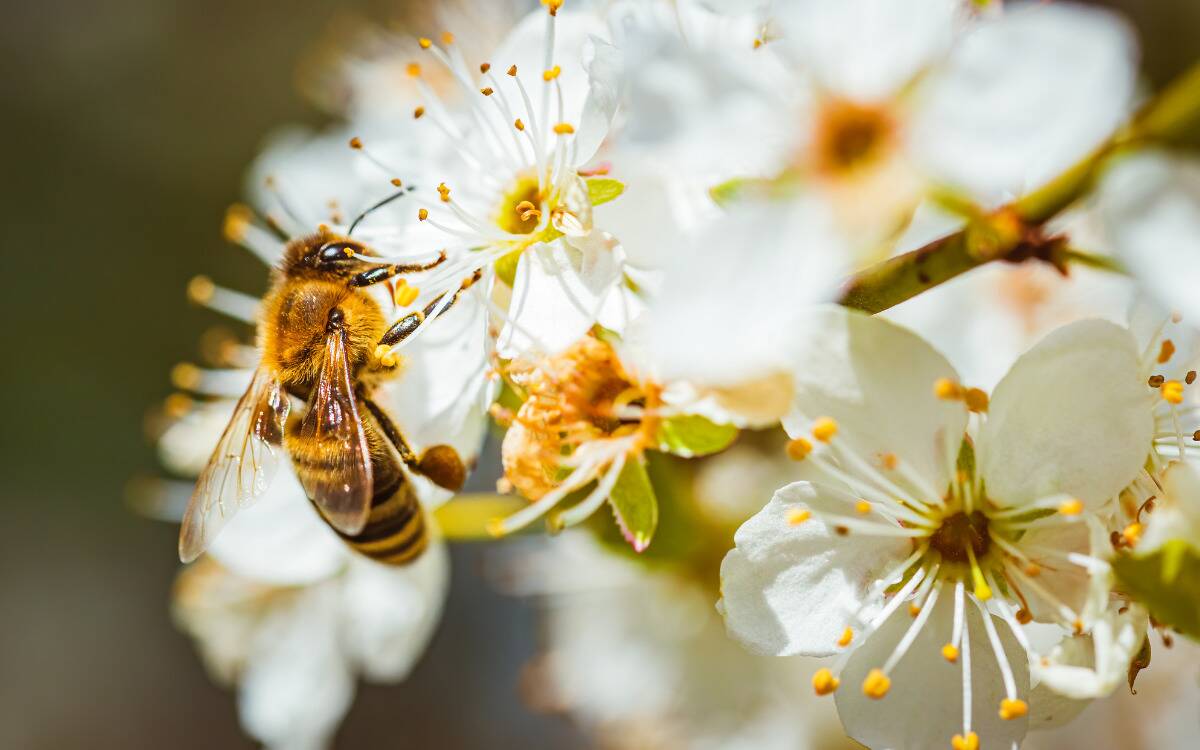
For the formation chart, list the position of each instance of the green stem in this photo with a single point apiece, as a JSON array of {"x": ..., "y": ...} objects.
[{"x": 1171, "y": 116}]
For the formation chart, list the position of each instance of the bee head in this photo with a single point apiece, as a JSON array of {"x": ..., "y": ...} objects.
[{"x": 326, "y": 255}]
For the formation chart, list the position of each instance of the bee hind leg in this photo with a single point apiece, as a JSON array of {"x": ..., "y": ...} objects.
[{"x": 441, "y": 464}]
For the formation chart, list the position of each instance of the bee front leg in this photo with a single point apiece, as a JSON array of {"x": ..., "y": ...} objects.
[
  {"x": 407, "y": 325},
  {"x": 377, "y": 274}
]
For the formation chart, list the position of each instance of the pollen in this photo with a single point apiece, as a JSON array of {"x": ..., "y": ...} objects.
[
  {"x": 824, "y": 429},
  {"x": 1165, "y": 351},
  {"x": 551, "y": 74},
  {"x": 950, "y": 653},
  {"x": 976, "y": 400},
  {"x": 970, "y": 742},
  {"x": 1013, "y": 708},
  {"x": 425, "y": 43},
  {"x": 1172, "y": 392},
  {"x": 846, "y": 638},
  {"x": 798, "y": 516},
  {"x": 564, "y": 128},
  {"x": 877, "y": 684},
  {"x": 862, "y": 507},
  {"x": 200, "y": 289},
  {"x": 1072, "y": 507},
  {"x": 798, "y": 449},
  {"x": 406, "y": 295},
  {"x": 423, "y": 214},
  {"x": 947, "y": 390},
  {"x": 824, "y": 682}
]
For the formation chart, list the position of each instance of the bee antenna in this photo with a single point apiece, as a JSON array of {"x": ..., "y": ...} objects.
[{"x": 394, "y": 196}]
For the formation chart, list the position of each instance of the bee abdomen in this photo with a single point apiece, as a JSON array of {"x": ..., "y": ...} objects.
[{"x": 395, "y": 533}]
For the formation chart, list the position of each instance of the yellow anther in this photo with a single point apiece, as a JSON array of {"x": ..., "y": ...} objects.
[
  {"x": 527, "y": 211},
  {"x": 423, "y": 214},
  {"x": 798, "y": 516},
  {"x": 824, "y": 429},
  {"x": 950, "y": 652},
  {"x": 1013, "y": 708},
  {"x": 447, "y": 37},
  {"x": 552, "y": 6},
  {"x": 1172, "y": 392},
  {"x": 758, "y": 43},
  {"x": 425, "y": 43},
  {"x": 824, "y": 682},
  {"x": 551, "y": 74},
  {"x": 876, "y": 685},
  {"x": 444, "y": 192},
  {"x": 947, "y": 390},
  {"x": 518, "y": 124},
  {"x": 406, "y": 295},
  {"x": 798, "y": 449},
  {"x": 177, "y": 405},
  {"x": 200, "y": 289},
  {"x": 970, "y": 742},
  {"x": 862, "y": 507},
  {"x": 846, "y": 638},
  {"x": 418, "y": 113},
  {"x": 356, "y": 143},
  {"x": 1077, "y": 626},
  {"x": 1072, "y": 507},
  {"x": 1033, "y": 570},
  {"x": 485, "y": 67},
  {"x": 1190, "y": 377},
  {"x": 486, "y": 91},
  {"x": 1132, "y": 533},
  {"x": 512, "y": 70},
  {"x": 413, "y": 69},
  {"x": 976, "y": 400},
  {"x": 564, "y": 128},
  {"x": 185, "y": 375},
  {"x": 1165, "y": 351},
  {"x": 396, "y": 182},
  {"x": 889, "y": 461},
  {"x": 914, "y": 609},
  {"x": 237, "y": 219}
]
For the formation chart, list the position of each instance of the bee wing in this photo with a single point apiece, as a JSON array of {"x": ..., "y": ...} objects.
[
  {"x": 338, "y": 479},
  {"x": 242, "y": 465}
]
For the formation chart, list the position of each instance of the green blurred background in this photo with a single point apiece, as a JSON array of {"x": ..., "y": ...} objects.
[{"x": 127, "y": 126}]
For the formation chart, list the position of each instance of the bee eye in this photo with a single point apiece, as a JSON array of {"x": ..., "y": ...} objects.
[{"x": 334, "y": 252}]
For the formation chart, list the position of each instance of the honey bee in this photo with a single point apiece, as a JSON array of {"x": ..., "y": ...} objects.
[{"x": 318, "y": 331}]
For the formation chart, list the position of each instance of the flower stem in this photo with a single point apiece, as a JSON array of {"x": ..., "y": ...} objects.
[{"x": 1007, "y": 234}]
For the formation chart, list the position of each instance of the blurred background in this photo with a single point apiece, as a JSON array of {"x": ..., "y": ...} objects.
[{"x": 127, "y": 126}]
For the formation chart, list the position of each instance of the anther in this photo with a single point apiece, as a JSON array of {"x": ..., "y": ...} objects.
[
  {"x": 1190, "y": 377},
  {"x": 914, "y": 609},
  {"x": 889, "y": 461},
  {"x": 564, "y": 128},
  {"x": 512, "y": 71},
  {"x": 396, "y": 182},
  {"x": 1077, "y": 626},
  {"x": 418, "y": 113},
  {"x": 237, "y": 219},
  {"x": 1155, "y": 381},
  {"x": 551, "y": 74},
  {"x": 824, "y": 682},
  {"x": 200, "y": 289},
  {"x": 798, "y": 516},
  {"x": 846, "y": 638},
  {"x": 1072, "y": 507},
  {"x": 444, "y": 192},
  {"x": 1196, "y": 436},
  {"x": 950, "y": 652},
  {"x": 947, "y": 390},
  {"x": 970, "y": 742},
  {"x": 552, "y": 6},
  {"x": 447, "y": 38},
  {"x": 485, "y": 67},
  {"x": 423, "y": 214},
  {"x": 1172, "y": 392},
  {"x": 862, "y": 507},
  {"x": 1166, "y": 351},
  {"x": 1013, "y": 708},
  {"x": 1132, "y": 533},
  {"x": 406, "y": 295},
  {"x": 876, "y": 685},
  {"x": 413, "y": 69},
  {"x": 185, "y": 376},
  {"x": 486, "y": 91},
  {"x": 177, "y": 405},
  {"x": 798, "y": 449},
  {"x": 356, "y": 143},
  {"x": 518, "y": 124},
  {"x": 1024, "y": 616},
  {"x": 824, "y": 429},
  {"x": 425, "y": 43},
  {"x": 976, "y": 400}
]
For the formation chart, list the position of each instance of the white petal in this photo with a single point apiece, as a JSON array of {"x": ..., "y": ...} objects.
[
  {"x": 557, "y": 296},
  {"x": 280, "y": 539},
  {"x": 1151, "y": 203},
  {"x": 297, "y": 686},
  {"x": 1093, "y": 665},
  {"x": 876, "y": 380},
  {"x": 187, "y": 444},
  {"x": 604, "y": 70},
  {"x": 736, "y": 294},
  {"x": 391, "y": 612},
  {"x": 924, "y": 707},
  {"x": 867, "y": 49},
  {"x": 1071, "y": 416},
  {"x": 984, "y": 125},
  {"x": 793, "y": 589}
]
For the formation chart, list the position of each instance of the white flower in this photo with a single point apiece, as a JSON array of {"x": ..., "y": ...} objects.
[
  {"x": 900, "y": 544},
  {"x": 1089, "y": 666},
  {"x": 294, "y": 652},
  {"x": 1151, "y": 202}
]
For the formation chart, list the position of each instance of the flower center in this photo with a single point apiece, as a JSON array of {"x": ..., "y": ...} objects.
[
  {"x": 520, "y": 211},
  {"x": 850, "y": 135},
  {"x": 958, "y": 532}
]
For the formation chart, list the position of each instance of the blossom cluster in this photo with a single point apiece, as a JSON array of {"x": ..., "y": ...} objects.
[{"x": 860, "y": 328}]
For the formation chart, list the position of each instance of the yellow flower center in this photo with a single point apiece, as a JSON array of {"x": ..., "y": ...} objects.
[{"x": 519, "y": 211}]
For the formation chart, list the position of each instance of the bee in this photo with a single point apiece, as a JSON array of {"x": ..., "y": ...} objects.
[{"x": 319, "y": 329}]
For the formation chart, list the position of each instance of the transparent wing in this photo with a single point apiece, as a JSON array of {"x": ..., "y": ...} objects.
[
  {"x": 242, "y": 465},
  {"x": 332, "y": 446}
]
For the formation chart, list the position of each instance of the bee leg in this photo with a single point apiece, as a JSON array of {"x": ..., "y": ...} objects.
[
  {"x": 405, "y": 327},
  {"x": 440, "y": 463},
  {"x": 377, "y": 274}
]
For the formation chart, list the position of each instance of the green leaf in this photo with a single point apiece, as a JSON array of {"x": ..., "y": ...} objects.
[
  {"x": 693, "y": 435},
  {"x": 604, "y": 189},
  {"x": 1167, "y": 581},
  {"x": 634, "y": 505}
]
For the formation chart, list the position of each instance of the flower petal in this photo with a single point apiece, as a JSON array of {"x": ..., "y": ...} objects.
[
  {"x": 793, "y": 589},
  {"x": 983, "y": 126},
  {"x": 1091, "y": 666},
  {"x": 924, "y": 707},
  {"x": 876, "y": 380},
  {"x": 1151, "y": 202},
  {"x": 1071, "y": 416}
]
